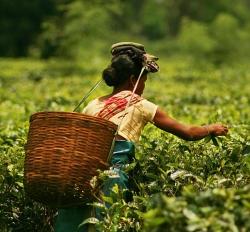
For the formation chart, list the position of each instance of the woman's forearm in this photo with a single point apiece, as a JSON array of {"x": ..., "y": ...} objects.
[
  {"x": 197, "y": 132},
  {"x": 200, "y": 132},
  {"x": 187, "y": 132}
]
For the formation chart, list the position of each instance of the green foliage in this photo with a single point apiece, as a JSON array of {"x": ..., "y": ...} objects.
[
  {"x": 214, "y": 29},
  {"x": 20, "y": 24},
  {"x": 81, "y": 24},
  {"x": 218, "y": 41},
  {"x": 182, "y": 186},
  {"x": 154, "y": 26},
  {"x": 194, "y": 38},
  {"x": 211, "y": 210},
  {"x": 17, "y": 213},
  {"x": 228, "y": 35}
]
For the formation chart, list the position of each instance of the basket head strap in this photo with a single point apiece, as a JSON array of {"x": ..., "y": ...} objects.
[
  {"x": 125, "y": 112},
  {"x": 136, "y": 52}
]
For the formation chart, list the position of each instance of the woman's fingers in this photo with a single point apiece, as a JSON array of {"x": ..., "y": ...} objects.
[{"x": 219, "y": 129}]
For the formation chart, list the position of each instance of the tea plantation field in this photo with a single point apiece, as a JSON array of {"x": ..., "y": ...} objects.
[{"x": 181, "y": 186}]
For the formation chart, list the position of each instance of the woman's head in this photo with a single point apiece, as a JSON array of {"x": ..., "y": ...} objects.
[
  {"x": 128, "y": 59},
  {"x": 121, "y": 69}
]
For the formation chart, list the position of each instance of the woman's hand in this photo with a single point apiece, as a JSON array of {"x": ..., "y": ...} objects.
[{"x": 217, "y": 129}]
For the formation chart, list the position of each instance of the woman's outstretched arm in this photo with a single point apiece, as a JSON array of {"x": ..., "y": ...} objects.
[{"x": 187, "y": 132}]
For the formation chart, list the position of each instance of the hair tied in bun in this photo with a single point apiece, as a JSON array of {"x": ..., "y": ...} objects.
[{"x": 109, "y": 76}]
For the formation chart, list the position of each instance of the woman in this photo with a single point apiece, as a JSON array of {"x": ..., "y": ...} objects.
[{"x": 126, "y": 107}]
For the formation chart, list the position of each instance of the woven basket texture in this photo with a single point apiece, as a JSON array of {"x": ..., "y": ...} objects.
[{"x": 64, "y": 150}]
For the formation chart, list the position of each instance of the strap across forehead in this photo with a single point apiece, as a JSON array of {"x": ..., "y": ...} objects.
[
  {"x": 133, "y": 50},
  {"x": 137, "y": 51},
  {"x": 126, "y": 45}
]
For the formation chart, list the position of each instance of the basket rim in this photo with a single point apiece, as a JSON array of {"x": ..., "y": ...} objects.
[{"x": 72, "y": 115}]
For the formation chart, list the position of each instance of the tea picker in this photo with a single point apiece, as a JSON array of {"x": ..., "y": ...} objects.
[{"x": 64, "y": 149}]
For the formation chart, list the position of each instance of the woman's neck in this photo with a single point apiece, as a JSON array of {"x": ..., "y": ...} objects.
[{"x": 121, "y": 88}]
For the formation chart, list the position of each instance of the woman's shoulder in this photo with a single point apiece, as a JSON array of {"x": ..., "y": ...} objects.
[
  {"x": 103, "y": 98},
  {"x": 92, "y": 105},
  {"x": 94, "y": 101}
]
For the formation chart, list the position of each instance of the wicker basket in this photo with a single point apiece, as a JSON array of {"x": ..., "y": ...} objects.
[{"x": 63, "y": 152}]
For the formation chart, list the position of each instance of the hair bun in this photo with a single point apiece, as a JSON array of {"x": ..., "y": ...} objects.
[
  {"x": 121, "y": 68},
  {"x": 109, "y": 76}
]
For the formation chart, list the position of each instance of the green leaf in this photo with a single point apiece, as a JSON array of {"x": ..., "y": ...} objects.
[
  {"x": 115, "y": 189},
  {"x": 215, "y": 141},
  {"x": 151, "y": 213},
  {"x": 207, "y": 139},
  {"x": 190, "y": 214},
  {"x": 20, "y": 184},
  {"x": 91, "y": 220},
  {"x": 107, "y": 199},
  {"x": 156, "y": 221},
  {"x": 10, "y": 167}
]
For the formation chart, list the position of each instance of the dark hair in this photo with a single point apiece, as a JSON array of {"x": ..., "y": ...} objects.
[{"x": 121, "y": 68}]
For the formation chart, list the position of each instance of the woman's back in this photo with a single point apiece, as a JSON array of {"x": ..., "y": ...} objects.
[{"x": 133, "y": 119}]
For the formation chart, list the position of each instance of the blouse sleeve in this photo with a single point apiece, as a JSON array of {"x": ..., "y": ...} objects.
[{"x": 149, "y": 110}]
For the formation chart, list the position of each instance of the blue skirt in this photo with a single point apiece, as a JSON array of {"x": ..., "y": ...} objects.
[{"x": 68, "y": 219}]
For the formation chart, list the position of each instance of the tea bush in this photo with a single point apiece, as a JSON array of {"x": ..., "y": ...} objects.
[{"x": 181, "y": 186}]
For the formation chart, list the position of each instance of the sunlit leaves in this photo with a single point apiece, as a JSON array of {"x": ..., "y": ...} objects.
[{"x": 179, "y": 185}]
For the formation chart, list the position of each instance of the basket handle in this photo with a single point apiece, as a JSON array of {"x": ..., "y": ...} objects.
[{"x": 87, "y": 95}]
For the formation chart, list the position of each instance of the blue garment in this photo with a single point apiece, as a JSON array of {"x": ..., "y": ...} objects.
[{"x": 68, "y": 219}]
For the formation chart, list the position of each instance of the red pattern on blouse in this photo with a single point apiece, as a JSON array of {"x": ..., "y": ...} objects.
[{"x": 117, "y": 104}]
